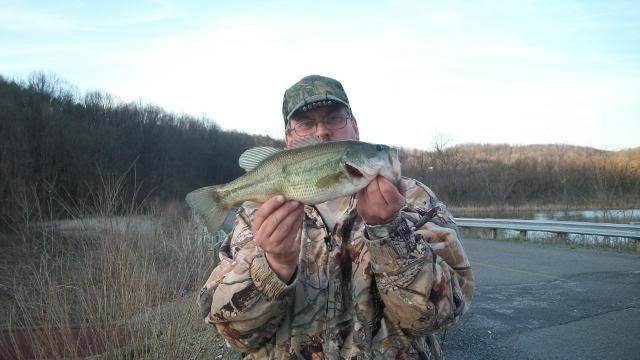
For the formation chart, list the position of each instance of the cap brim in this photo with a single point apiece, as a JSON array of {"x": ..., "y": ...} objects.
[{"x": 314, "y": 99}]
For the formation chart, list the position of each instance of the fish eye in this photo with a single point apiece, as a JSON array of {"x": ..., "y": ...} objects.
[{"x": 379, "y": 147}]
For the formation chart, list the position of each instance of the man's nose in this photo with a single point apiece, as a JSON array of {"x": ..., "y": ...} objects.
[{"x": 321, "y": 129}]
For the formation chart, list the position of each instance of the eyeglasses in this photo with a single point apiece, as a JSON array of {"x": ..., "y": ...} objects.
[{"x": 332, "y": 122}]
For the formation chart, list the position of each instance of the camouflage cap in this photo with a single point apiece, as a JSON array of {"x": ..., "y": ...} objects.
[{"x": 311, "y": 92}]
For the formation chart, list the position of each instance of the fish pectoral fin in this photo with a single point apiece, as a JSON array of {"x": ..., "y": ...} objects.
[
  {"x": 329, "y": 180},
  {"x": 254, "y": 156}
]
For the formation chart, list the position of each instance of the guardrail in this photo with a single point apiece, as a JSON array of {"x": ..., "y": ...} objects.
[{"x": 631, "y": 231}]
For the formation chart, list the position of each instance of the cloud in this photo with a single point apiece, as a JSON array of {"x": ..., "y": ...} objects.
[
  {"x": 424, "y": 80},
  {"x": 21, "y": 20},
  {"x": 139, "y": 19},
  {"x": 237, "y": 69}
]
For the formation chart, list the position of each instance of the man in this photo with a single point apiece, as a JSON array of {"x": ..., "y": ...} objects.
[{"x": 355, "y": 277}]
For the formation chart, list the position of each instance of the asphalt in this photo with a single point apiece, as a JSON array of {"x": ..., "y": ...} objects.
[{"x": 544, "y": 302}]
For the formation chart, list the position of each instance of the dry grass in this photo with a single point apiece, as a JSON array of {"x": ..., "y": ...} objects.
[{"x": 119, "y": 289}]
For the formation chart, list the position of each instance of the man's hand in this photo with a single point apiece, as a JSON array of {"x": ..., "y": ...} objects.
[
  {"x": 276, "y": 229},
  {"x": 380, "y": 201}
]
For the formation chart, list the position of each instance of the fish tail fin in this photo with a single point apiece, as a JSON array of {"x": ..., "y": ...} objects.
[{"x": 209, "y": 204}]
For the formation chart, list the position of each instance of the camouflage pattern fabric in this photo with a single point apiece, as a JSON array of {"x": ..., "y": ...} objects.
[
  {"x": 311, "y": 92},
  {"x": 352, "y": 296}
]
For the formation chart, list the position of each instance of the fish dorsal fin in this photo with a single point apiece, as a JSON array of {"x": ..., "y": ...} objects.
[
  {"x": 306, "y": 141},
  {"x": 254, "y": 156}
]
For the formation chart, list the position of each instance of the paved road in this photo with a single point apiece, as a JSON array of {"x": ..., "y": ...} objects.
[{"x": 543, "y": 302}]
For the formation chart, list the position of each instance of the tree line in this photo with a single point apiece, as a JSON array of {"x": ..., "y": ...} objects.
[
  {"x": 502, "y": 175},
  {"x": 55, "y": 140}
]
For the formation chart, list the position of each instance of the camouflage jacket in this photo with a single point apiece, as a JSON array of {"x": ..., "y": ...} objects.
[{"x": 353, "y": 295}]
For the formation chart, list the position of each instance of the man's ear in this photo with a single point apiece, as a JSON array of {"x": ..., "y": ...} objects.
[
  {"x": 354, "y": 123},
  {"x": 288, "y": 139}
]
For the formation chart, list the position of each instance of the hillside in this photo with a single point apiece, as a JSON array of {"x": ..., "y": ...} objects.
[
  {"x": 62, "y": 147},
  {"x": 525, "y": 175},
  {"x": 56, "y": 143},
  {"x": 511, "y": 153}
]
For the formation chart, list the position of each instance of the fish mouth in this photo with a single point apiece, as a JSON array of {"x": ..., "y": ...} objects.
[
  {"x": 388, "y": 166},
  {"x": 370, "y": 169},
  {"x": 393, "y": 172},
  {"x": 353, "y": 171}
]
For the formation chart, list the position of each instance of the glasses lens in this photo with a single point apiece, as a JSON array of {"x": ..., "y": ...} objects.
[
  {"x": 335, "y": 122},
  {"x": 305, "y": 127}
]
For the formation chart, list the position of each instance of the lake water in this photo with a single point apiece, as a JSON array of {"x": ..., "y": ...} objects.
[{"x": 619, "y": 216}]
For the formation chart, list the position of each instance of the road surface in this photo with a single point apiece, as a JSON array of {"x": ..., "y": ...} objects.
[{"x": 545, "y": 302}]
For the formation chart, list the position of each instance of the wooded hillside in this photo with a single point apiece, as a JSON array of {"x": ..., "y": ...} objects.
[
  {"x": 500, "y": 175},
  {"x": 53, "y": 140}
]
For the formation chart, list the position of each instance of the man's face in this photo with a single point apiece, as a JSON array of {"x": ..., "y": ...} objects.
[{"x": 321, "y": 117}]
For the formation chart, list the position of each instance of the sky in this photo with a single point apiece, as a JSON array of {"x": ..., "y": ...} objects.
[{"x": 417, "y": 72}]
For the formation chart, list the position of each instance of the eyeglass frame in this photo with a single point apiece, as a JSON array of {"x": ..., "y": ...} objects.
[{"x": 315, "y": 124}]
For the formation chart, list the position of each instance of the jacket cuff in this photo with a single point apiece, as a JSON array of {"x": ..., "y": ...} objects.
[
  {"x": 399, "y": 251},
  {"x": 383, "y": 231},
  {"x": 266, "y": 280}
]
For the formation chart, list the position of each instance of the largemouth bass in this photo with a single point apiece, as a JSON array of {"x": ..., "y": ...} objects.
[{"x": 311, "y": 173}]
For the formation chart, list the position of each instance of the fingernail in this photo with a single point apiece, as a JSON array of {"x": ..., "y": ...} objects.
[{"x": 280, "y": 198}]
